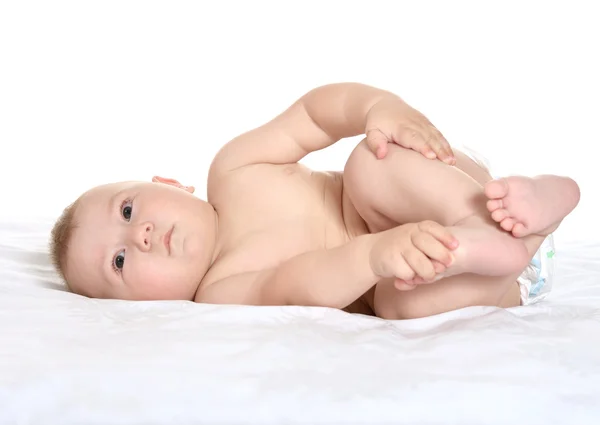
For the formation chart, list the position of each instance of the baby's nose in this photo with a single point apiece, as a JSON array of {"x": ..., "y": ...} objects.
[{"x": 143, "y": 236}]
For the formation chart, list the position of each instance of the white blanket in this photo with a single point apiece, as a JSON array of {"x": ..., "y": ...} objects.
[{"x": 65, "y": 359}]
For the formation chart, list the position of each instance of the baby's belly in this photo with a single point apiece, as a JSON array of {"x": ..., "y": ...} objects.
[{"x": 310, "y": 213}]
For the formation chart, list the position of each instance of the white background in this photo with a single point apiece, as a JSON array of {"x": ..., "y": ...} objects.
[{"x": 92, "y": 92}]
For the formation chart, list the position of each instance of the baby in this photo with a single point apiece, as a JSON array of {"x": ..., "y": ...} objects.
[{"x": 410, "y": 228}]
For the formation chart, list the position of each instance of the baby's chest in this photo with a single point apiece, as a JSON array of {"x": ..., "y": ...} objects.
[
  {"x": 288, "y": 216},
  {"x": 267, "y": 247},
  {"x": 279, "y": 200}
]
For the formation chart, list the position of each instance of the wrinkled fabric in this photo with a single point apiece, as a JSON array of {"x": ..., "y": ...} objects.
[
  {"x": 537, "y": 279},
  {"x": 66, "y": 359}
]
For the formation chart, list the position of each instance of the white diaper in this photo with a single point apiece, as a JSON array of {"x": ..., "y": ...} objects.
[{"x": 536, "y": 280}]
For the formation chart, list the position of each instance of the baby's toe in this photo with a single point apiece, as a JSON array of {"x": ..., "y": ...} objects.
[
  {"x": 500, "y": 214},
  {"x": 494, "y": 204},
  {"x": 507, "y": 224},
  {"x": 519, "y": 230},
  {"x": 496, "y": 189}
]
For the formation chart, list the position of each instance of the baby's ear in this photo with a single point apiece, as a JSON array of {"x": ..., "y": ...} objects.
[{"x": 172, "y": 182}]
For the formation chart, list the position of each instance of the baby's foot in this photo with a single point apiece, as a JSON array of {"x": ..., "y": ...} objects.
[
  {"x": 524, "y": 205},
  {"x": 483, "y": 249}
]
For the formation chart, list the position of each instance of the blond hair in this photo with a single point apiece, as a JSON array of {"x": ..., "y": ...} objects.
[{"x": 60, "y": 238}]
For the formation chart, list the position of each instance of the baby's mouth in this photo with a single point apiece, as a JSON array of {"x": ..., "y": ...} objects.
[{"x": 167, "y": 239}]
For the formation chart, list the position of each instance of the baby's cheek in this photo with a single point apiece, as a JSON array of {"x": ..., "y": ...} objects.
[{"x": 158, "y": 280}]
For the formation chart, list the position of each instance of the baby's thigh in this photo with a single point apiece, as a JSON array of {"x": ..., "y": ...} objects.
[
  {"x": 453, "y": 293},
  {"x": 406, "y": 187},
  {"x": 363, "y": 184}
]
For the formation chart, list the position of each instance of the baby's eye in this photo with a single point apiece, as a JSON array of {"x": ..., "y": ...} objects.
[
  {"x": 126, "y": 210},
  {"x": 119, "y": 261}
]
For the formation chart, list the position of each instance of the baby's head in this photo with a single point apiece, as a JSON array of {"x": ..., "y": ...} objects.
[{"x": 135, "y": 241}]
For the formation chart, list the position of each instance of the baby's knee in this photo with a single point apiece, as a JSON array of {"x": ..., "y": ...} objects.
[
  {"x": 376, "y": 183},
  {"x": 364, "y": 183},
  {"x": 360, "y": 173}
]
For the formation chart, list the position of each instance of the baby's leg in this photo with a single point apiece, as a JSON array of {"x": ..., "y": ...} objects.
[
  {"x": 406, "y": 187},
  {"x": 522, "y": 205}
]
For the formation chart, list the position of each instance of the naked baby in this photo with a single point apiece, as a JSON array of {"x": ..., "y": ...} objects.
[{"x": 409, "y": 228}]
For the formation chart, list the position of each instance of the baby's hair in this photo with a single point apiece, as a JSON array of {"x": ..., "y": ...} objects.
[{"x": 60, "y": 238}]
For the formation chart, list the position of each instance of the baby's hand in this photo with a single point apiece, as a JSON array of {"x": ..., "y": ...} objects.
[
  {"x": 391, "y": 120},
  {"x": 412, "y": 253}
]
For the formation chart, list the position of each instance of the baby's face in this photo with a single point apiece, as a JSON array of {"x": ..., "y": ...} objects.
[{"x": 140, "y": 241}]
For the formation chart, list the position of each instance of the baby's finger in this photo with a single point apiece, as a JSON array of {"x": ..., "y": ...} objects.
[
  {"x": 420, "y": 264},
  {"x": 440, "y": 232},
  {"x": 377, "y": 143},
  {"x": 436, "y": 148},
  {"x": 439, "y": 267},
  {"x": 433, "y": 249},
  {"x": 441, "y": 152},
  {"x": 410, "y": 137},
  {"x": 438, "y": 144},
  {"x": 446, "y": 154},
  {"x": 404, "y": 285},
  {"x": 399, "y": 268}
]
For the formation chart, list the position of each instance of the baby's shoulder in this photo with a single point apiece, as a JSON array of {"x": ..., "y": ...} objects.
[{"x": 263, "y": 180}]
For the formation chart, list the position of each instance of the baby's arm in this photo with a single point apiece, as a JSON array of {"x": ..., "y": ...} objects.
[
  {"x": 337, "y": 277},
  {"x": 328, "y": 278},
  {"x": 315, "y": 121}
]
